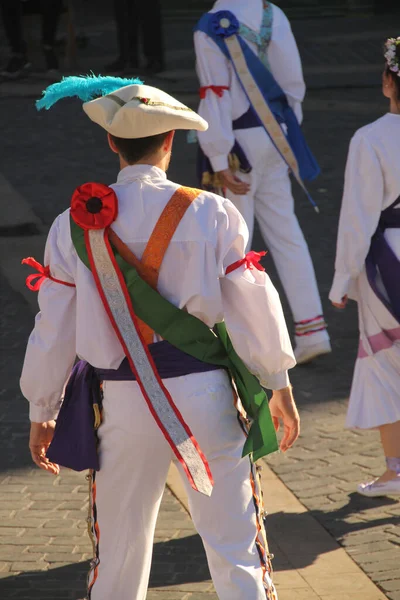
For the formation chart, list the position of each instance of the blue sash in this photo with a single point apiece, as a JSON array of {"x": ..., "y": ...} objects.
[{"x": 269, "y": 87}]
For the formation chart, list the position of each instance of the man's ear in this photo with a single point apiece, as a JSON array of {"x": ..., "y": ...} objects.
[
  {"x": 169, "y": 141},
  {"x": 111, "y": 143}
]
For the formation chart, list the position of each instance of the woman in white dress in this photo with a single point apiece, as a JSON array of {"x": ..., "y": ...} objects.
[{"x": 368, "y": 270}]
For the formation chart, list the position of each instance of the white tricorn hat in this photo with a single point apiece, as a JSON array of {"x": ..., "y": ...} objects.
[{"x": 137, "y": 111}]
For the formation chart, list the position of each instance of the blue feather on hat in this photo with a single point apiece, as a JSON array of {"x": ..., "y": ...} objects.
[{"x": 85, "y": 87}]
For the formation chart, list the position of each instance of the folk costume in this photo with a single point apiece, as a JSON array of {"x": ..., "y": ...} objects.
[
  {"x": 368, "y": 270},
  {"x": 251, "y": 92},
  {"x": 149, "y": 284}
]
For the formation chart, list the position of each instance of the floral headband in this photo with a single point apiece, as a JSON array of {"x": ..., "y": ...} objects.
[{"x": 391, "y": 56}]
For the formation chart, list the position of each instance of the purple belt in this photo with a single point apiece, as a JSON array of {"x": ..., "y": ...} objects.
[
  {"x": 170, "y": 362},
  {"x": 250, "y": 119},
  {"x": 74, "y": 444},
  {"x": 382, "y": 257}
]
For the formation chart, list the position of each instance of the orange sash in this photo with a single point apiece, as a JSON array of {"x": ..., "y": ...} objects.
[{"x": 149, "y": 266}]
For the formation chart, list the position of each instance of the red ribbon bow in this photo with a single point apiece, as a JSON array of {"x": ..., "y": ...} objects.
[
  {"x": 252, "y": 259},
  {"x": 34, "y": 281},
  {"x": 217, "y": 89}
]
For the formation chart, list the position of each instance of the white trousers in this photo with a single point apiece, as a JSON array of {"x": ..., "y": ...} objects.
[
  {"x": 271, "y": 202},
  {"x": 127, "y": 492}
]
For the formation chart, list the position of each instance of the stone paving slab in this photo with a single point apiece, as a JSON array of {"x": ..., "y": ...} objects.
[
  {"x": 17, "y": 214},
  {"x": 308, "y": 561}
]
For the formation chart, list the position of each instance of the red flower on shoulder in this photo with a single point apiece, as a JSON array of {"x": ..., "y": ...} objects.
[{"x": 94, "y": 206}]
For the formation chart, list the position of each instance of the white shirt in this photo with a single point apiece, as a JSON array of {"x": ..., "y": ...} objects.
[
  {"x": 211, "y": 236},
  {"x": 372, "y": 183},
  {"x": 213, "y": 68}
]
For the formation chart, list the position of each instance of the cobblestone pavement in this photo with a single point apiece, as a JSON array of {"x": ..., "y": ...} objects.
[{"x": 42, "y": 520}]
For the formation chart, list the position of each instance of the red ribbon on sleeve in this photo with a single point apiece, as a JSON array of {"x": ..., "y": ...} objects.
[
  {"x": 217, "y": 89},
  {"x": 34, "y": 281},
  {"x": 252, "y": 259}
]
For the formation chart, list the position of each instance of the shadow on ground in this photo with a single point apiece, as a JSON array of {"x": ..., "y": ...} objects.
[{"x": 182, "y": 561}]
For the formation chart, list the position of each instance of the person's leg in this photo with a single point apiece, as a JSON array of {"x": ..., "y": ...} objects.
[
  {"x": 127, "y": 491},
  {"x": 152, "y": 34},
  {"x": 132, "y": 18},
  {"x": 11, "y": 11},
  {"x": 123, "y": 24},
  {"x": 274, "y": 210},
  {"x": 389, "y": 483},
  {"x": 51, "y": 12},
  {"x": 390, "y": 439},
  {"x": 230, "y": 521}
]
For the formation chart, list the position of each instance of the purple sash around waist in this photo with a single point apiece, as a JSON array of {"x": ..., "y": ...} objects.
[
  {"x": 381, "y": 257},
  {"x": 170, "y": 362},
  {"x": 250, "y": 119},
  {"x": 74, "y": 443}
]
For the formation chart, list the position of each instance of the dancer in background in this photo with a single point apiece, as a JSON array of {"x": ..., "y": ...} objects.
[
  {"x": 238, "y": 141},
  {"x": 368, "y": 271},
  {"x": 19, "y": 63}
]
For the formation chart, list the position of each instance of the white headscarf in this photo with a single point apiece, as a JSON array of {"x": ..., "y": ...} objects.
[{"x": 248, "y": 12}]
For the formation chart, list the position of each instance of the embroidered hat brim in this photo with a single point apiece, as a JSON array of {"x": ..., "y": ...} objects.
[{"x": 137, "y": 111}]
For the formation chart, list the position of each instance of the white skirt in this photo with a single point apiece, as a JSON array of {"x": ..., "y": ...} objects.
[{"x": 375, "y": 392}]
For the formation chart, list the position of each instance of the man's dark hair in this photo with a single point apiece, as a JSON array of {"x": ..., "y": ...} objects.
[{"x": 134, "y": 150}]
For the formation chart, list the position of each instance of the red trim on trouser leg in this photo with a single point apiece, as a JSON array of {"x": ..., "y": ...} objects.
[
  {"x": 261, "y": 536},
  {"x": 94, "y": 535},
  {"x": 310, "y": 326},
  {"x": 261, "y": 539}
]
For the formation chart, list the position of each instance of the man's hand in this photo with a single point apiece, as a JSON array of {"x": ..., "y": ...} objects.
[
  {"x": 233, "y": 183},
  {"x": 283, "y": 408},
  {"x": 341, "y": 305},
  {"x": 39, "y": 441}
]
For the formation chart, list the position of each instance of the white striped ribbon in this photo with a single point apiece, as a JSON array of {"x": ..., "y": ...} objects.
[{"x": 119, "y": 308}]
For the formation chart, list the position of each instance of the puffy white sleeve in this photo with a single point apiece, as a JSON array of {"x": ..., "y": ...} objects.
[
  {"x": 213, "y": 69},
  {"x": 359, "y": 216},
  {"x": 50, "y": 353},
  {"x": 285, "y": 62},
  {"x": 253, "y": 313}
]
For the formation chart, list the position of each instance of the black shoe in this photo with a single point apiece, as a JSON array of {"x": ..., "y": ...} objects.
[
  {"x": 155, "y": 66},
  {"x": 17, "y": 66},
  {"x": 51, "y": 59}
]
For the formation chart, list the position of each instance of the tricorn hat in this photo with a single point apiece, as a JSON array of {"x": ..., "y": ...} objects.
[{"x": 125, "y": 107}]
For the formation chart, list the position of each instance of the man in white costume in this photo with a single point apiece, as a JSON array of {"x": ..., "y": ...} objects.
[
  {"x": 263, "y": 190},
  {"x": 94, "y": 252}
]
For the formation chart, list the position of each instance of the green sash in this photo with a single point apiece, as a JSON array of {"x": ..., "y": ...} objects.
[{"x": 189, "y": 334}]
